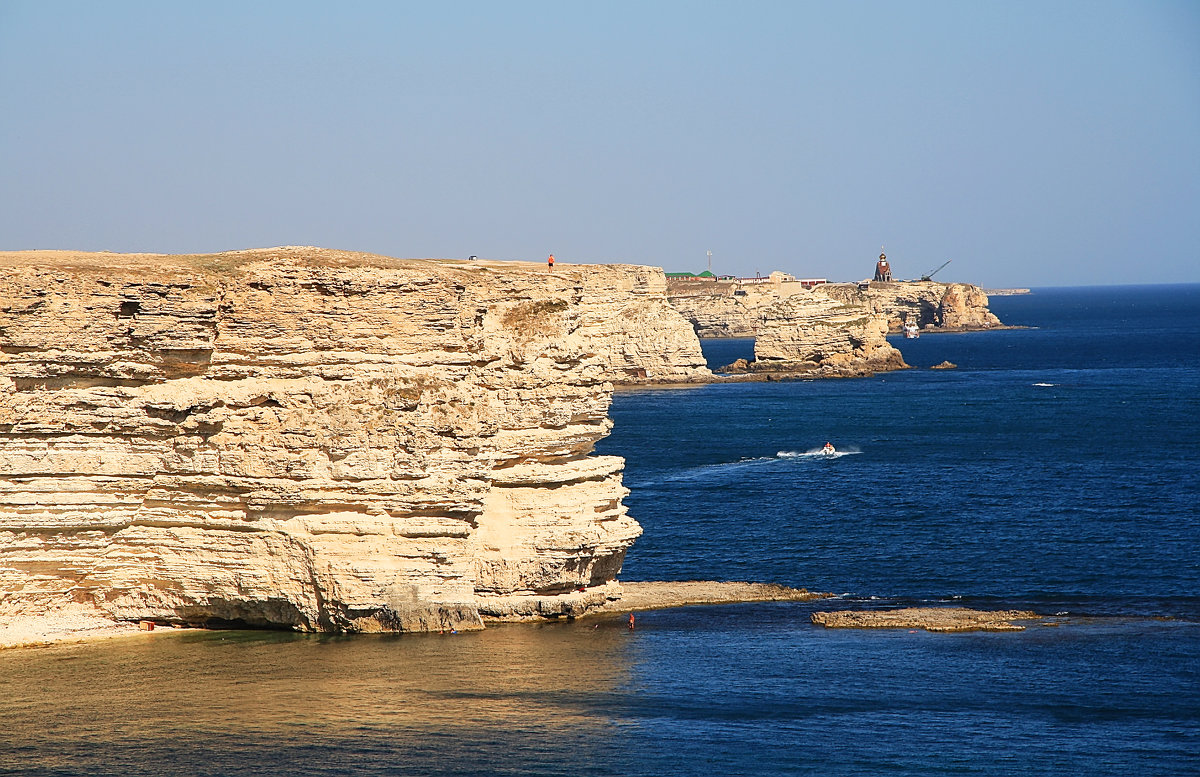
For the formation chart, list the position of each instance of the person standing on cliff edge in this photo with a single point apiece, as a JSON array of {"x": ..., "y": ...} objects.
[{"x": 550, "y": 262}]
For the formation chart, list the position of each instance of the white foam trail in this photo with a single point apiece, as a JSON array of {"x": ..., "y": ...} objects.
[
  {"x": 817, "y": 453},
  {"x": 1046, "y": 385},
  {"x": 712, "y": 470},
  {"x": 709, "y": 471}
]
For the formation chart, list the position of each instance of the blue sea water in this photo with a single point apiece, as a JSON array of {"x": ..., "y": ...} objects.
[
  {"x": 1056, "y": 466},
  {"x": 1055, "y": 469}
]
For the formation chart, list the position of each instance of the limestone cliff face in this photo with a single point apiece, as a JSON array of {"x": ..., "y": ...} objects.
[
  {"x": 965, "y": 307},
  {"x": 317, "y": 439},
  {"x": 813, "y": 332},
  {"x": 928, "y": 304},
  {"x": 795, "y": 328},
  {"x": 727, "y": 308},
  {"x": 636, "y": 335}
]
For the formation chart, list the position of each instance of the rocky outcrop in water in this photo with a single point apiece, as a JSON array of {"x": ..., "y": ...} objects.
[
  {"x": 814, "y": 335},
  {"x": 317, "y": 439}
]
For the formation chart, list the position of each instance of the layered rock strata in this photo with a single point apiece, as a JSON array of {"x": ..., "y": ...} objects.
[
  {"x": 317, "y": 439},
  {"x": 732, "y": 309},
  {"x": 811, "y": 333},
  {"x": 727, "y": 308},
  {"x": 932, "y": 306},
  {"x": 636, "y": 336}
]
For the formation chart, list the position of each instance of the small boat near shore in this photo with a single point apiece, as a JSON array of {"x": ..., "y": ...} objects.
[{"x": 911, "y": 331}]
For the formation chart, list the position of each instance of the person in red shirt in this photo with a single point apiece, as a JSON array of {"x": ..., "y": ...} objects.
[{"x": 550, "y": 261}]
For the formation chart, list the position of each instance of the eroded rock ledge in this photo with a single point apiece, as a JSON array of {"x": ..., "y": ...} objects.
[
  {"x": 658, "y": 595},
  {"x": 735, "y": 309},
  {"x": 317, "y": 439}
]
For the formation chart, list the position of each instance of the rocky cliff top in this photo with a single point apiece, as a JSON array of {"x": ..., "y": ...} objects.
[
  {"x": 636, "y": 336},
  {"x": 231, "y": 261}
]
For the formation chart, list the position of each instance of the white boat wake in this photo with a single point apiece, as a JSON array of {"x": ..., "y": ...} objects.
[
  {"x": 733, "y": 469},
  {"x": 817, "y": 453}
]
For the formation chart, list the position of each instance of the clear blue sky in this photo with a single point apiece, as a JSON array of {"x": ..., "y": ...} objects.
[{"x": 1034, "y": 143}]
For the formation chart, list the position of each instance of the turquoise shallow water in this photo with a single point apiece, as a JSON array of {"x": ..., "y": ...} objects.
[{"x": 1055, "y": 469}]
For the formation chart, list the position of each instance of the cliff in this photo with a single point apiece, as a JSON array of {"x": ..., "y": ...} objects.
[
  {"x": 637, "y": 338},
  {"x": 796, "y": 329},
  {"x": 317, "y": 439},
  {"x": 735, "y": 309},
  {"x": 727, "y": 308}
]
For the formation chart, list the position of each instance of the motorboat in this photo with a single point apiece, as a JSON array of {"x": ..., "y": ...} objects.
[
  {"x": 828, "y": 450},
  {"x": 911, "y": 331}
]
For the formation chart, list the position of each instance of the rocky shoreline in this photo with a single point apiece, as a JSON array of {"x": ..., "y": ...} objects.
[{"x": 75, "y": 626}]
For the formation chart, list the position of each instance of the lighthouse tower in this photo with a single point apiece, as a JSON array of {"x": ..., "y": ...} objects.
[{"x": 883, "y": 272}]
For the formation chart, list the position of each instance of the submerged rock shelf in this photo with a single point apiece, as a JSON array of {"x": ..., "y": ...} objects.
[{"x": 937, "y": 619}]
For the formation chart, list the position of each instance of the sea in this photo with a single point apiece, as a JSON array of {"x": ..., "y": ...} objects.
[{"x": 1055, "y": 469}]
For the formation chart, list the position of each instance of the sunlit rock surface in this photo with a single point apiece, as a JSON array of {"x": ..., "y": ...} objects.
[
  {"x": 727, "y": 308},
  {"x": 733, "y": 309},
  {"x": 926, "y": 304},
  {"x": 811, "y": 332},
  {"x": 318, "y": 439}
]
